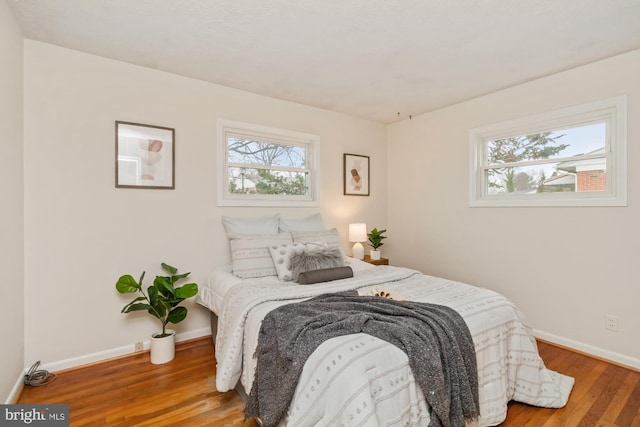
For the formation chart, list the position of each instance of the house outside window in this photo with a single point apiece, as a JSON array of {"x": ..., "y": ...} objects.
[
  {"x": 264, "y": 166},
  {"x": 571, "y": 157}
]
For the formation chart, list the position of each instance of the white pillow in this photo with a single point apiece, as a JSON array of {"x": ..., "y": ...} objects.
[
  {"x": 331, "y": 237},
  {"x": 280, "y": 255},
  {"x": 312, "y": 223},
  {"x": 250, "y": 256},
  {"x": 264, "y": 225}
]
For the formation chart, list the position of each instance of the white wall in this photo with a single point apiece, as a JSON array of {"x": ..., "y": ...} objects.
[
  {"x": 11, "y": 193},
  {"x": 81, "y": 233},
  {"x": 566, "y": 268}
]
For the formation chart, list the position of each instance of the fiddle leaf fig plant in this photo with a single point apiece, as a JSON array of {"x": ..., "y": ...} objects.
[
  {"x": 375, "y": 238},
  {"x": 162, "y": 298}
]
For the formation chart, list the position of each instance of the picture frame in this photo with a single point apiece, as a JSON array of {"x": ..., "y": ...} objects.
[
  {"x": 145, "y": 156},
  {"x": 356, "y": 175}
]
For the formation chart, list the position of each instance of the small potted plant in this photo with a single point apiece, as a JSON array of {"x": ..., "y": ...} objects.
[
  {"x": 161, "y": 301},
  {"x": 375, "y": 237}
]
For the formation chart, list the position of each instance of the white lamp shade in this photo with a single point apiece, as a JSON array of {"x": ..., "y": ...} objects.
[{"x": 358, "y": 232}]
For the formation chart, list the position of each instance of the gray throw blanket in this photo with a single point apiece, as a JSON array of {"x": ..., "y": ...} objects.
[{"x": 435, "y": 338}]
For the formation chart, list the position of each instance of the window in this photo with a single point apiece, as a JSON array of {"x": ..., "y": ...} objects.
[
  {"x": 261, "y": 166},
  {"x": 570, "y": 157}
]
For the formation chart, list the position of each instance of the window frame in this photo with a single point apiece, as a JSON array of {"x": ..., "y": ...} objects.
[
  {"x": 281, "y": 136},
  {"x": 612, "y": 110}
]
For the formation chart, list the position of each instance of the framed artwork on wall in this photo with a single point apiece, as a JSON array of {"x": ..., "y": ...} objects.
[
  {"x": 145, "y": 156},
  {"x": 356, "y": 175}
]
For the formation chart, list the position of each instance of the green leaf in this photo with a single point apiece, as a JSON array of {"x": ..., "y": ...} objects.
[
  {"x": 135, "y": 307},
  {"x": 158, "y": 310},
  {"x": 177, "y": 315},
  {"x": 180, "y": 276},
  {"x": 169, "y": 269},
  {"x": 153, "y": 294},
  {"x": 137, "y": 299},
  {"x": 174, "y": 301},
  {"x": 187, "y": 291},
  {"x": 127, "y": 284},
  {"x": 152, "y": 312},
  {"x": 164, "y": 286}
]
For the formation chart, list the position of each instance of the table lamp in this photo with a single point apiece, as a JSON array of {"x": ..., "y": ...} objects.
[{"x": 357, "y": 234}]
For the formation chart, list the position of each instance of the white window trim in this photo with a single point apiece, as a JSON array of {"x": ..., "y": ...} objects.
[
  {"x": 614, "y": 110},
  {"x": 227, "y": 199}
]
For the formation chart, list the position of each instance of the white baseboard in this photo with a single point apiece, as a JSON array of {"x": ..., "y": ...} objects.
[
  {"x": 115, "y": 352},
  {"x": 73, "y": 362},
  {"x": 189, "y": 335},
  {"x": 601, "y": 353},
  {"x": 15, "y": 392}
]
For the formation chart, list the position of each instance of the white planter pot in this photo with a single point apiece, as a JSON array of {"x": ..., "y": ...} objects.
[
  {"x": 163, "y": 349},
  {"x": 374, "y": 255}
]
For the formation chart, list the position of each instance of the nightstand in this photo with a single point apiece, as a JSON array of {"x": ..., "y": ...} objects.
[{"x": 381, "y": 261}]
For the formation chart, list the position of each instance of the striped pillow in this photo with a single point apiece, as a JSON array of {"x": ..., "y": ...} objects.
[
  {"x": 250, "y": 256},
  {"x": 331, "y": 237}
]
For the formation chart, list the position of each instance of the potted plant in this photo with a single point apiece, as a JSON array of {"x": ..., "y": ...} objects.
[
  {"x": 161, "y": 301},
  {"x": 375, "y": 237}
]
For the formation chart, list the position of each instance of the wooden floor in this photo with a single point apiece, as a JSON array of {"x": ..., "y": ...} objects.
[{"x": 130, "y": 391}]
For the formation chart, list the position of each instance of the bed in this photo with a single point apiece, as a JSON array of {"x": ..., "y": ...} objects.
[{"x": 361, "y": 380}]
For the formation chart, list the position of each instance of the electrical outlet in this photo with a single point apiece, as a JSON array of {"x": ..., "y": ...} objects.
[
  {"x": 139, "y": 346},
  {"x": 612, "y": 323}
]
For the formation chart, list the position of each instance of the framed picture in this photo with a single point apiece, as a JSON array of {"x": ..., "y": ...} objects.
[
  {"x": 356, "y": 175},
  {"x": 145, "y": 156}
]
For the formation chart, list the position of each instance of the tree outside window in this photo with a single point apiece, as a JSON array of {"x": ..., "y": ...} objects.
[{"x": 266, "y": 166}]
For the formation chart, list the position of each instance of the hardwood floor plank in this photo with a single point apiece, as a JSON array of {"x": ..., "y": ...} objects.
[
  {"x": 602, "y": 394},
  {"x": 592, "y": 376},
  {"x": 630, "y": 412},
  {"x": 579, "y": 402},
  {"x": 130, "y": 391},
  {"x": 618, "y": 391}
]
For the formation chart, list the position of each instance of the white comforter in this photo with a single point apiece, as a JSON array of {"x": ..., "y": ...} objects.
[{"x": 361, "y": 380}]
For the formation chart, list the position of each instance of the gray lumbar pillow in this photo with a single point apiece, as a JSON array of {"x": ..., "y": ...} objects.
[
  {"x": 315, "y": 260},
  {"x": 324, "y": 275}
]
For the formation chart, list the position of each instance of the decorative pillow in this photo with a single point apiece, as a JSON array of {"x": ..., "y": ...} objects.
[
  {"x": 312, "y": 223},
  {"x": 280, "y": 255},
  {"x": 250, "y": 256},
  {"x": 312, "y": 246},
  {"x": 330, "y": 236},
  {"x": 265, "y": 225},
  {"x": 324, "y": 275},
  {"x": 299, "y": 262}
]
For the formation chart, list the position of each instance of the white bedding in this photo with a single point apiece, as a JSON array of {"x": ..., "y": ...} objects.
[
  {"x": 361, "y": 380},
  {"x": 221, "y": 281}
]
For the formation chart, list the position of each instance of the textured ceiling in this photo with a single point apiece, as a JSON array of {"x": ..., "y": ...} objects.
[{"x": 367, "y": 58}]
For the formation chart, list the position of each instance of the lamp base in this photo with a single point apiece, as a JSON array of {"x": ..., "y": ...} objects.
[{"x": 357, "y": 251}]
